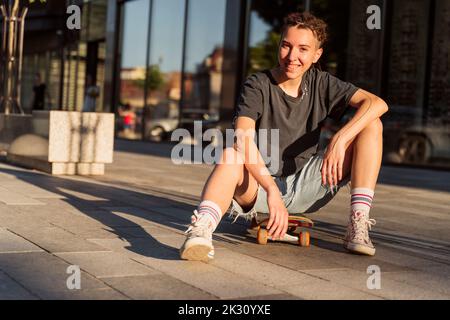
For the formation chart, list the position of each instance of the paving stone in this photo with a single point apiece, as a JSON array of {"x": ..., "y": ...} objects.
[
  {"x": 134, "y": 215},
  {"x": 106, "y": 264},
  {"x": 89, "y": 233},
  {"x": 207, "y": 277},
  {"x": 390, "y": 289},
  {"x": 55, "y": 239},
  {"x": 29, "y": 190},
  {"x": 271, "y": 273},
  {"x": 146, "y": 231},
  {"x": 431, "y": 280},
  {"x": 12, "y": 290},
  {"x": 84, "y": 196},
  {"x": 157, "y": 287},
  {"x": 62, "y": 218},
  {"x": 16, "y": 221},
  {"x": 182, "y": 214},
  {"x": 141, "y": 232},
  {"x": 43, "y": 274},
  {"x": 317, "y": 289},
  {"x": 7, "y": 176},
  {"x": 287, "y": 255},
  {"x": 111, "y": 219},
  {"x": 414, "y": 261},
  {"x": 10, "y": 242},
  {"x": 164, "y": 258},
  {"x": 11, "y": 198},
  {"x": 138, "y": 216},
  {"x": 69, "y": 205},
  {"x": 92, "y": 294},
  {"x": 145, "y": 201},
  {"x": 166, "y": 248}
]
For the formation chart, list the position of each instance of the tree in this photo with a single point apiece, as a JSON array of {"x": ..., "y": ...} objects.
[
  {"x": 155, "y": 79},
  {"x": 264, "y": 54}
]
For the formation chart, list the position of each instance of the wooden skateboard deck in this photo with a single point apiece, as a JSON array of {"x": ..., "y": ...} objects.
[{"x": 295, "y": 222}]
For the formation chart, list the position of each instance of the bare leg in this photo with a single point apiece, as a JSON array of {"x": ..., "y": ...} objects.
[
  {"x": 230, "y": 179},
  {"x": 364, "y": 158},
  {"x": 367, "y": 155}
]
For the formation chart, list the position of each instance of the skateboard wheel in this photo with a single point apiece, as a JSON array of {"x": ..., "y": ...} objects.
[
  {"x": 303, "y": 239},
  {"x": 262, "y": 236}
]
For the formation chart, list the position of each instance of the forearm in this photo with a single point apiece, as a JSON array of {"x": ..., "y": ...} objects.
[
  {"x": 254, "y": 163},
  {"x": 369, "y": 110}
]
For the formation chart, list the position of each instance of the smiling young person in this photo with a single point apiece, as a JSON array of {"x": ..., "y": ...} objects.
[{"x": 295, "y": 98}]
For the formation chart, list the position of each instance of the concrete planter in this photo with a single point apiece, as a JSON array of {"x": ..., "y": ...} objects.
[{"x": 62, "y": 142}]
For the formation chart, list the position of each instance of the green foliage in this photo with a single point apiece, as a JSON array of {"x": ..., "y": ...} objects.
[
  {"x": 155, "y": 79},
  {"x": 265, "y": 54}
]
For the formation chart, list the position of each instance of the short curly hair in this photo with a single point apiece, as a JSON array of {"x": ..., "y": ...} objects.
[{"x": 306, "y": 20}]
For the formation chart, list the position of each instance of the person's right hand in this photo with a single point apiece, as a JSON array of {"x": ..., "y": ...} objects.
[{"x": 278, "y": 221}]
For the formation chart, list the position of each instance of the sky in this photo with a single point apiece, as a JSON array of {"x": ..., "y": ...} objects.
[{"x": 206, "y": 24}]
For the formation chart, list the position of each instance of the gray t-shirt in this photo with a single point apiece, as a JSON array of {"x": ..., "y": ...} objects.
[{"x": 299, "y": 119}]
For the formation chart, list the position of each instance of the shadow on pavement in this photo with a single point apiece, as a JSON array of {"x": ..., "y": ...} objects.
[
  {"x": 437, "y": 180},
  {"x": 113, "y": 202},
  {"x": 176, "y": 215},
  {"x": 159, "y": 149}
]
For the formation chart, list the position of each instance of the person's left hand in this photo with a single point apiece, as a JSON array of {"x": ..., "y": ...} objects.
[{"x": 333, "y": 161}]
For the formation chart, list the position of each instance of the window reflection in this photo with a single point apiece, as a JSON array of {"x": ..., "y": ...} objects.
[
  {"x": 164, "y": 69},
  {"x": 203, "y": 59},
  {"x": 427, "y": 139},
  {"x": 132, "y": 72},
  {"x": 407, "y": 57}
]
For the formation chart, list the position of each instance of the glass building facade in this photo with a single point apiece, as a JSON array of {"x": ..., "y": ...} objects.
[
  {"x": 171, "y": 55},
  {"x": 161, "y": 64},
  {"x": 65, "y": 59}
]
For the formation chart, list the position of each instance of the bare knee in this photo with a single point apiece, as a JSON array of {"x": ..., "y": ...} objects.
[
  {"x": 375, "y": 127},
  {"x": 233, "y": 162}
]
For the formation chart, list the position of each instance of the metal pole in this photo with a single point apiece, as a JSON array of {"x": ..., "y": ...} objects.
[
  {"x": 19, "y": 69},
  {"x": 11, "y": 56},
  {"x": 3, "y": 53},
  {"x": 9, "y": 60}
]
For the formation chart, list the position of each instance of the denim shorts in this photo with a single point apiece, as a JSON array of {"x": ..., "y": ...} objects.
[{"x": 302, "y": 192}]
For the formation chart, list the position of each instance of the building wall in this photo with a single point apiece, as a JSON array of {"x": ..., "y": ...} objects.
[{"x": 61, "y": 56}]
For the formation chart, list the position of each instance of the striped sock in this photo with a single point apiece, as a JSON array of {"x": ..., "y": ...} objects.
[
  {"x": 361, "y": 199},
  {"x": 211, "y": 211}
]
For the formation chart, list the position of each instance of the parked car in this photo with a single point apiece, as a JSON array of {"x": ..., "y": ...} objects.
[
  {"x": 160, "y": 120},
  {"x": 419, "y": 145},
  {"x": 159, "y": 128},
  {"x": 410, "y": 140},
  {"x": 405, "y": 139}
]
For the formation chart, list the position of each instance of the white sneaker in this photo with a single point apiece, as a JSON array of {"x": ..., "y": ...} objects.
[
  {"x": 357, "y": 238},
  {"x": 198, "y": 245}
]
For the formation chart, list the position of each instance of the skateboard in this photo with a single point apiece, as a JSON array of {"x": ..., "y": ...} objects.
[{"x": 300, "y": 237}]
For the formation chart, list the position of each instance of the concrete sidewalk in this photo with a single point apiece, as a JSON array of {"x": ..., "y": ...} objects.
[{"x": 124, "y": 229}]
